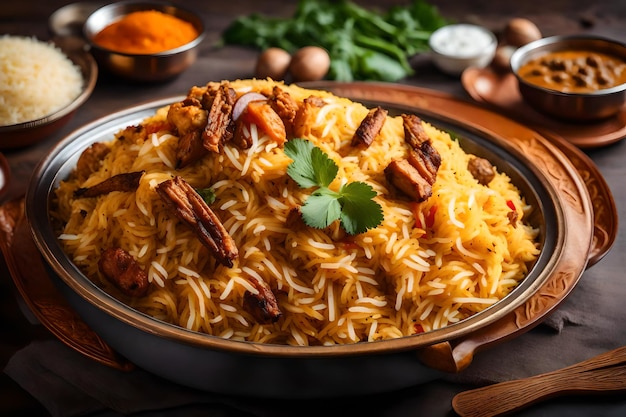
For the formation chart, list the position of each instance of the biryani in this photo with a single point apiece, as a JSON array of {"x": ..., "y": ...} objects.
[
  {"x": 36, "y": 79},
  {"x": 260, "y": 211}
]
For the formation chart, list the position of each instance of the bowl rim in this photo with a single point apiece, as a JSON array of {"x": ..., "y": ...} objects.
[
  {"x": 62, "y": 266},
  {"x": 139, "y": 5},
  {"x": 74, "y": 50},
  {"x": 521, "y": 54}
]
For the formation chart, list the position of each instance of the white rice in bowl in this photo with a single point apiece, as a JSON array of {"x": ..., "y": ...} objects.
[{"x": 36, "y": 79}]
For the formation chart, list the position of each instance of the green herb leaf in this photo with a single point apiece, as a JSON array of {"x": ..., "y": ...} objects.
[
  {"x": 358, "y": 211},
  {"x": 311, "y": 166},
  {"x": 207, "y": 194},
  {"x": 350, "y": 33},
  {"x": 353, "y": 204},
  {"x": 321, "y": 208}
]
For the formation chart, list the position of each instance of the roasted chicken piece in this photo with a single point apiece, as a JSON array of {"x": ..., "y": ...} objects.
[
  {"x": 306, "y": 115},
  {"x": 416, "y": 174},
  {"x": 90, "y": 160},
  {"x": 128, "y": 181},
  {"x": 187, "y": 115},
  {"x": 286, "y": 107},
  {"x": 407, "y": 179},
  {"x": 188, "y": 205},
  {"x": 414, "y": 133},
  {"x": 481, "y": 169},
  {"x": 123, "y": 271},
  {"x": 218, "y": 128},
  {"x": 426, "y": 160},
  {"x": 370, "y": 127},
  {"x": 189, "y": 118},
  {"x": 263, "y": 305}
]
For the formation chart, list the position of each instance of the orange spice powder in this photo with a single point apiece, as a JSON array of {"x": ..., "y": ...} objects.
[{"x": 146, "y": 32}]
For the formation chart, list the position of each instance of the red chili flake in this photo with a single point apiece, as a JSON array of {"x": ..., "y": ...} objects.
[
  {"x": 511, "y": 205},
  {"x": 418, "y": 328},
  {"x": 430, "y": 217},
  {"x": 349, "y": 244},
  {"x": 415, "y": 209}
]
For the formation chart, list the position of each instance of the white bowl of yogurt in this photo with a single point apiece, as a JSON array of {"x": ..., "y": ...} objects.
[{"x": 459, "y": 46}]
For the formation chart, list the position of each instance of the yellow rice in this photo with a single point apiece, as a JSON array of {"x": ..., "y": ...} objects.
[{"x": 394, "y": 280}]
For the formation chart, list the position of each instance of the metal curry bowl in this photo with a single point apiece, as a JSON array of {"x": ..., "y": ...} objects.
[
  {"x": 578, "y": 107},
  {"x": 244, "y": 368}
]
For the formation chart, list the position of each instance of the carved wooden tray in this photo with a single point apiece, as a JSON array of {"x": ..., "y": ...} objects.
[{"x": 35, "y": 285}]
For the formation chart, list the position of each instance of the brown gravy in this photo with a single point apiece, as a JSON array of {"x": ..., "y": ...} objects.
[{"x": 575, "y": 71}]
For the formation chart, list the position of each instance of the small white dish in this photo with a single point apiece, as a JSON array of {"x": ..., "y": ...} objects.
[{"x": 459, "y": 46}]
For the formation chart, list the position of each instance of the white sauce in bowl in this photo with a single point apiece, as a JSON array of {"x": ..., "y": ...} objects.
[{"x": 462, "y": 40}]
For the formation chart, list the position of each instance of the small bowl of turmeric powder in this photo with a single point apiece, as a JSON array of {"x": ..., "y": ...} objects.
[{"x": 144, "y": 41}]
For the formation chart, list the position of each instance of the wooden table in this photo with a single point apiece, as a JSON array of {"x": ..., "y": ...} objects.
[{"x": 28, "y": 17}]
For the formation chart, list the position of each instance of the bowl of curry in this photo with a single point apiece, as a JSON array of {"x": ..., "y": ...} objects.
[
  {"x": 575, "y": 78},
  {"x": 144, "y": 41}
]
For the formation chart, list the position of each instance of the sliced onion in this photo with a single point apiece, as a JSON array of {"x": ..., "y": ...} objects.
[{"x": 243, "y": 101}]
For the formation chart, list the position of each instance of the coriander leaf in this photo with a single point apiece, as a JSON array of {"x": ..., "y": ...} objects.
[
  {"x": 348, "y": 31},
  {"x": 382, "y": 67},
  {"x": 207, "y": 194},
  {"x": 311, "y": 166},
  {"x": 321, "y": 208},
  {"x": 358, "y": 211},
  {"x": 352, "y": 204}
]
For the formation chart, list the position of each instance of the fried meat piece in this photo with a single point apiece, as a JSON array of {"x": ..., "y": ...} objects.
[
  {"x": 263, "y": 305},
  {"x": 218, "y": 129},
  {"x": 187, "y": 115},
  {"x": 414, "y": 133},
  {"x": 123, "y": 271},
  {"x": 90, "y": 160},
  {"x": 128, "y": 181},
  {"x": 481, "y": 169},
  {"x": 306, "y": 115},
  {"x": 189, "y": 118},
  {"x": 240, "y": 138},
  {"x": 285, "y": 106},
  {"x": 370, "y": 127},
  {"x": 426, "y": 160},
  {"x": 416, "y": 174},
  {"x": 407, "y": 179},
  {"x": 190, "y": 149},
  {"x": 189, "y": 207}
]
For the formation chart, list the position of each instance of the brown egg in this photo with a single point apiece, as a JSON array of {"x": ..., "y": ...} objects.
[
  {"x": 272, "y": 63},
  {"x": 519, "y": 31},
  {"x": 502, "y": 59},
  {"x": 310, "y": 63}
]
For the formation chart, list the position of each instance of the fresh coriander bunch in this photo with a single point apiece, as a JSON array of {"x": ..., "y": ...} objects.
[
  {"x": 352, "y": 204},
  {"x": 363, "y": 44}
]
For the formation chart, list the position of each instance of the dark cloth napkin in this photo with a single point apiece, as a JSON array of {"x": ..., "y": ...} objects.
[{"x": 68, "y": 384}]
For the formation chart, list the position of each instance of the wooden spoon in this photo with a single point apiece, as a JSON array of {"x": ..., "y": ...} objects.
[{"x": 601, "y": 374}]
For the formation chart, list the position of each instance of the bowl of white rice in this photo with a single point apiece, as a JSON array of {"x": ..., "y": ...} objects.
[{"x": 42, "y": 84}]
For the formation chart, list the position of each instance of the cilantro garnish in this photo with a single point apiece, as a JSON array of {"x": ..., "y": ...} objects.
[
  {"x": 352, "y": 204},
  {"x": 207, "y": 194}
]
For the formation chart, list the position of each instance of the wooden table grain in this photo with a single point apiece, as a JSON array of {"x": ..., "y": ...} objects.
[{"x": 30, "y": 17}]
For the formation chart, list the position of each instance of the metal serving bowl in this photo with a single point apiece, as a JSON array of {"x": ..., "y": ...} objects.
[
  {"x": 583, "y": 107},
  {"x": 33, "y": 131},
  {"x": 244, "y": 368},
  {"x": 143, "y": 67}
]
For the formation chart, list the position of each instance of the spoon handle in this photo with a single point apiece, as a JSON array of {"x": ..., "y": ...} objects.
[{"x": 602, "y": 373}]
